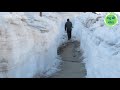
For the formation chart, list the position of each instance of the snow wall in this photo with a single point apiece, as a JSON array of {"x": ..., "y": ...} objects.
[
  {"x": 28, "y": 44},
  {"x": 101, "y": 45}
]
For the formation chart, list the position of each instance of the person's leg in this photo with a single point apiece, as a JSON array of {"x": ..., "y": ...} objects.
[{"x": 70, "y": 34}]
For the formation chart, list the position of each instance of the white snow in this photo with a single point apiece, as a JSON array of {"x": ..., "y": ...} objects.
[
  {"x": 28, "y": 43},
  {"x": 101, "y": 46}
]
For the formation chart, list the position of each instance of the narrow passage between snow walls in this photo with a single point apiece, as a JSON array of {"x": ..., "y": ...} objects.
[
  {"x": 72, "y": 64},
  {"x": 29, "y": 43}
]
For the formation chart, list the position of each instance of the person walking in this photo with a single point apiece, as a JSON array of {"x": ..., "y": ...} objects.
[{"x": 68, "y": 28}]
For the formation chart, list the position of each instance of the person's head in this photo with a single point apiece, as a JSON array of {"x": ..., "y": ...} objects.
[{"x": 68, "y": 20}]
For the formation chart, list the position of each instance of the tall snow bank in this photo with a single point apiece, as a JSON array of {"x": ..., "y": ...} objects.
[
  {"x": 27, "y": 45},
  {"x": 57, "y": 20},
  {"x": 101, "y": 46}
]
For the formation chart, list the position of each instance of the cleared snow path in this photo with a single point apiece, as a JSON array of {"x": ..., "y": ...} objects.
[{"x": 72, "y": 65}]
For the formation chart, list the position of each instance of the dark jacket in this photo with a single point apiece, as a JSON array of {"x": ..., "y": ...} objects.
[{"x": 68, "y": 26}]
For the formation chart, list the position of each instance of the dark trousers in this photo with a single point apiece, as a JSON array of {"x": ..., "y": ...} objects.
[{"x": 69, "y": 34}]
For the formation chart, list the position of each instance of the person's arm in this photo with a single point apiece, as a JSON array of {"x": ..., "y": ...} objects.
[
  {"x": 65, "y": 26},
  {"x": 71, "y": 24}
]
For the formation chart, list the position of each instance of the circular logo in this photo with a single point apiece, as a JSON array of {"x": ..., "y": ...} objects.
[{"x": 111, "y": 19}]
